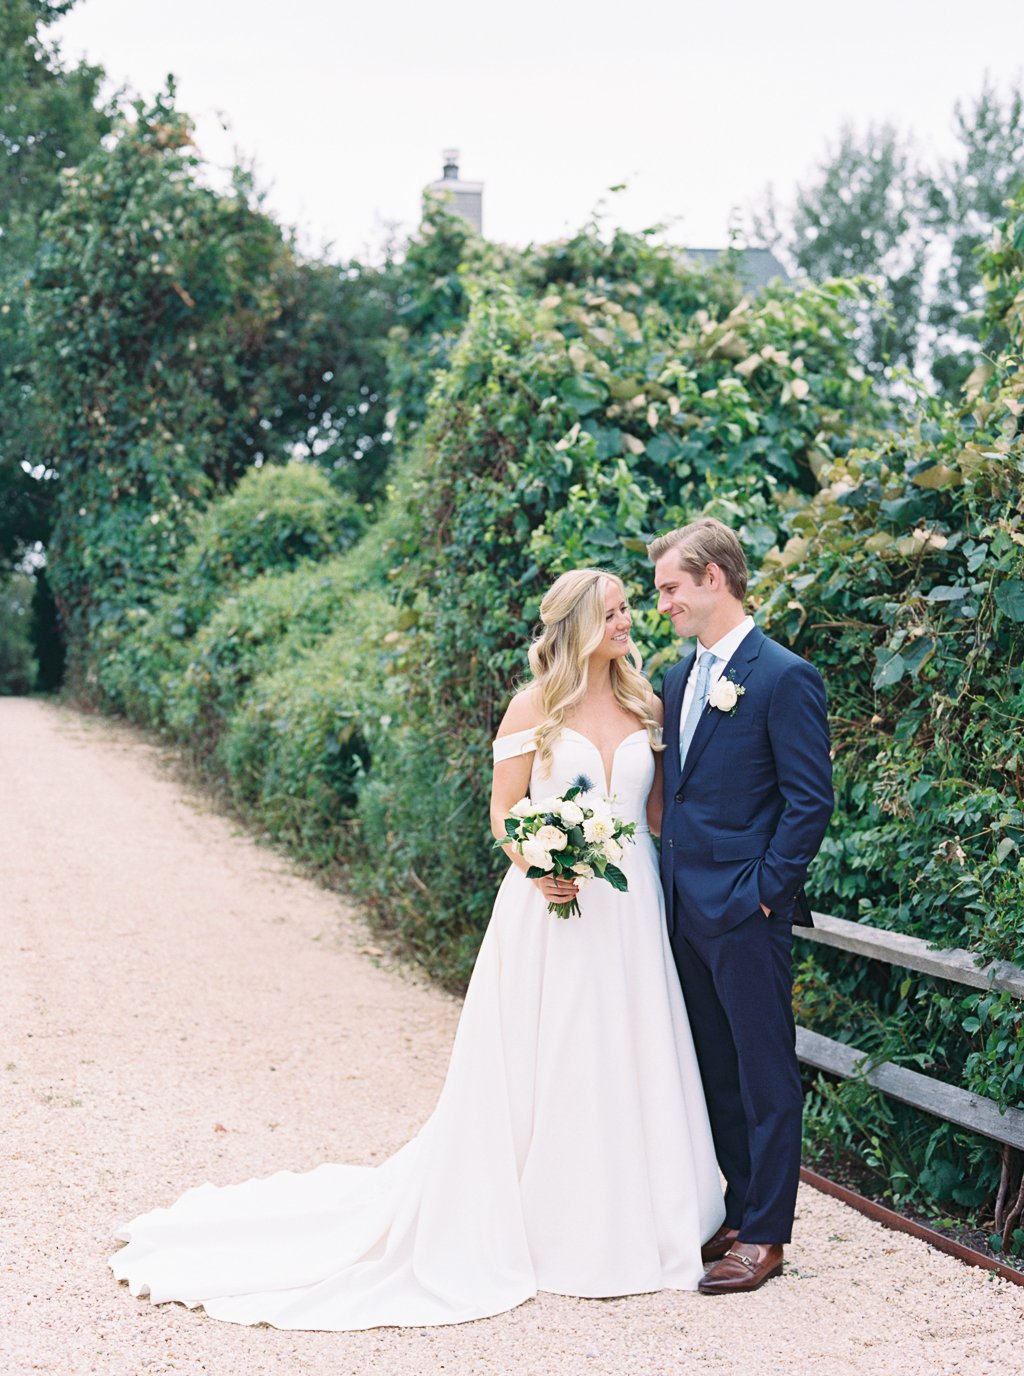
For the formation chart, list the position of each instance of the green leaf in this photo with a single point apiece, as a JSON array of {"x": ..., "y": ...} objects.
[
  {"x": 889, "y": 670},
  {"x": 616, "y": 878},
  {"x": 582, "y": 395},
  {"x": 1010, "y": 598},
  {"x": 604, "y": 536}
]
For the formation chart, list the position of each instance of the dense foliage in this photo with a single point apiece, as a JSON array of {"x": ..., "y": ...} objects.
[
  {"x": 614, "y": 394},
  {"x": 51, "y": 117},
  {"x": 903, "y": 578}
]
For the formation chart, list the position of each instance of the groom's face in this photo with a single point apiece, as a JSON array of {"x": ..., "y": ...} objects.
[{"x": 689, "y": 605}]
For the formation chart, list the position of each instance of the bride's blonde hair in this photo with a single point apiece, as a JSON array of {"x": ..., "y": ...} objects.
[{"x": 573, "y": 616}]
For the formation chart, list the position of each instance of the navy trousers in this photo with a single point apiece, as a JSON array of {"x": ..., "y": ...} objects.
[{"x": 738, "y": 987}]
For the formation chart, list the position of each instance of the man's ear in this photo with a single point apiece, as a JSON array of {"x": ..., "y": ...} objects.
[{"x": 715, "y": 576}]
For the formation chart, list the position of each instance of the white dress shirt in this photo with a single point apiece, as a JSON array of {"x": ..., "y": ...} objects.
[{"x": 724, "y": 650}]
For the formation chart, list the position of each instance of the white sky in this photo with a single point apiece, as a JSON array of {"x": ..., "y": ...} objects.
[{"x": 345, "y": 108}]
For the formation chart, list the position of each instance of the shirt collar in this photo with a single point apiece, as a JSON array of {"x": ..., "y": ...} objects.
[{"x": 725, "y": 648}]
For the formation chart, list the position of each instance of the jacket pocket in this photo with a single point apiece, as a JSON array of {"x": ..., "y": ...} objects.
[{"x": 746, "y": 845}]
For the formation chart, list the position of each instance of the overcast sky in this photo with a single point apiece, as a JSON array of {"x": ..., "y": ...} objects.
[{"x": 345, "y": 109}]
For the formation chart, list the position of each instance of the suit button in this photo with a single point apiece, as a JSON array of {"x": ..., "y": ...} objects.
[{"x": 679, "y": 797}]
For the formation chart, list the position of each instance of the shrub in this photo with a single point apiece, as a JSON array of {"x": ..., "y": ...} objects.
[
  {"x": 295, "y": 750},
  {"x": 275, "y": 518}
]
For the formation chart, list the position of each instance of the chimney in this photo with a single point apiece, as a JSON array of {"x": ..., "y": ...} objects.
[{"x": 464, "y": 199}]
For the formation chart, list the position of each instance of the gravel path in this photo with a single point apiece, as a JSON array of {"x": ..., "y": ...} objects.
[{"x": 177, "y": 1006}]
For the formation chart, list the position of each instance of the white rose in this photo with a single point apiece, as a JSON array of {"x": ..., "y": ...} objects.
[
  {"x": 535, "y": 854},
  {"x": 551, "y": 838},
  {"x": 546, "y": 805},
  {"x": 584, "y": 874},
  {"x": 598, "y": 828},
  {"x": 571, "y": 814},
  {"x": 725, "y": 695},
  {"x": 612, "y": 850},
  {"x": 524, "y": 808}
]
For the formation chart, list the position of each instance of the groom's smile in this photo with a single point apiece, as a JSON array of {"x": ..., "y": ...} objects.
[{"x": 689, "y": 605}]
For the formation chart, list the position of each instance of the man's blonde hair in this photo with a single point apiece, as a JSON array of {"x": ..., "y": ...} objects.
[{"x": 705, "y": 542}]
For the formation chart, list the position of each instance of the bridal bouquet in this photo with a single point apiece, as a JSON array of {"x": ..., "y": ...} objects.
[{"x": 566, "y": 838}]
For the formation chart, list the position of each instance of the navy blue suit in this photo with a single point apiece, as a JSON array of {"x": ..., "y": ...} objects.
[{"x": 743, "y": 820}]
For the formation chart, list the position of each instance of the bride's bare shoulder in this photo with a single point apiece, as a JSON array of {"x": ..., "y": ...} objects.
[{"x": 523, "y": 712}]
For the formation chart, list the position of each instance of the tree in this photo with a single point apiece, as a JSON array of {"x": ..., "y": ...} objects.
[
  {"x": 51, "y": 117},
  {"x": 873, "y": 208},
  {"x": 177, "y": 340},
  {"x": 862, "y": 216},
  {"x": 970, "y": 196}
]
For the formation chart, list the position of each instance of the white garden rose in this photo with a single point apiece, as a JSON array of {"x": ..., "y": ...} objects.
[
  {"x": 725, "y": 695},
  {"x": 535, "y": 854},
  {"x": 598, "y": 828},
  {"x": 612, "y": 850},
  {"x": 524, "y": 808},
  {"x": 546, "y": 805},
  {"x": 551, "y": 838},
  {"x": 571, "y": 814},
  {"x": 584, "y": 873}
]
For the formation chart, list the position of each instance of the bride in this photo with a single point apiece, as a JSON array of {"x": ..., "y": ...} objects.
[{"x": 570, "y": 1149}]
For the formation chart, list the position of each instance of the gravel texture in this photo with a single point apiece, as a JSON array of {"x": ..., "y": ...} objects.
[{"x": 177, "y": 1005}]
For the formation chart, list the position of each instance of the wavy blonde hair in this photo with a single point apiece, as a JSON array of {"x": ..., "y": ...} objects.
[{"x": 572, "y": 613}]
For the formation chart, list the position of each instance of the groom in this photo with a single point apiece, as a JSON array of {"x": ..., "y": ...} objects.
[{"x": 748, "y": 795}]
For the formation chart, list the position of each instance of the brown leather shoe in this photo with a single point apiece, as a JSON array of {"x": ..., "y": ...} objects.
[
  {"x": 745, "y": 1266},
  {"x": 716, "y": 1246}
]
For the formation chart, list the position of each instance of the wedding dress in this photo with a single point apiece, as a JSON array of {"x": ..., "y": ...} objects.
[{"x": 569, "y": 1150}]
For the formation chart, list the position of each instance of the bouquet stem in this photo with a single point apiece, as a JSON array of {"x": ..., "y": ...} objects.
[{"x": 570, "y": 909}]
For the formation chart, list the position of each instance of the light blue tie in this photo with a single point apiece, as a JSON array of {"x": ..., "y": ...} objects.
[{"x": 706, "y": 661}]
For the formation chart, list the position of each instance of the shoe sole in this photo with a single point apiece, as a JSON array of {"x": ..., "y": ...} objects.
[{"x": 739, "y": 1287}]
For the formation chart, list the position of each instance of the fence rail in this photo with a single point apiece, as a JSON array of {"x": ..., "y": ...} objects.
[{"x": 949, "y": 1102}]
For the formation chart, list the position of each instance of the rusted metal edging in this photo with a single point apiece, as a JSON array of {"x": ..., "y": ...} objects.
[{"x": 890, "y": 1219}]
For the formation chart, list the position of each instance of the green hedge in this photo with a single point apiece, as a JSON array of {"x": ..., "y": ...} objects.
[{"x": 297, "y": 748}]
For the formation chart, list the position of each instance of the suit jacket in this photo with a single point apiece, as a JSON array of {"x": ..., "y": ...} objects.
[{"x": 745, "y": 816}]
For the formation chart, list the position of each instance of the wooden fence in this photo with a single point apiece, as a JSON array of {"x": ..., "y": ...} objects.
[{"x": 949, "y": 1102}]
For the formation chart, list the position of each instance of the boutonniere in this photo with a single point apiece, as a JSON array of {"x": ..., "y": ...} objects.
[{"x": 725, "y": 695}]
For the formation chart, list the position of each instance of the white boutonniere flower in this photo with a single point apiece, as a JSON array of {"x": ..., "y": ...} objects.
[{"x": 725, "y": 695}]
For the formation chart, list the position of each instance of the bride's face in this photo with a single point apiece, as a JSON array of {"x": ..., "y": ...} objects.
[{"x": 618, "y": 620}]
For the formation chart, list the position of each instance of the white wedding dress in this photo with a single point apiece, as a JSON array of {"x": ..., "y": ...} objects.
[{"x": 569, "y": 1151}]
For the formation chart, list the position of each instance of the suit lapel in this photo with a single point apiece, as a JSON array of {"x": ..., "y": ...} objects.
[
  {"x": 737, "y": 670},
  {"x": 673, "y": 707}
]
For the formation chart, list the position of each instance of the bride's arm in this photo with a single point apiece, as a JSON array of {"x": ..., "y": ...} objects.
[
  {"x": 656, "y": 797},
  {"x": 511, "y": 782},
  {"x": 511, "y": 779}
]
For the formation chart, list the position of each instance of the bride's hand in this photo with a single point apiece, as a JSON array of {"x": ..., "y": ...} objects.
[{"x": 556, "y": 890}]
